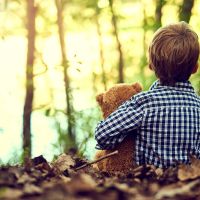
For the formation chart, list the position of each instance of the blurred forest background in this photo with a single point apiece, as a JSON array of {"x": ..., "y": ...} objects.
[{"x": 57, "y": 55}]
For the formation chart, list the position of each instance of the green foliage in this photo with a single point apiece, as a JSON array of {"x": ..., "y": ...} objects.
[
  {"x": 16, "y": 157},
  {"x": 63, "y": 138},
  {"x": 86, "y": 121},
  {"x": 195, "y": 79},
  {"x": 85, "y": 127}
]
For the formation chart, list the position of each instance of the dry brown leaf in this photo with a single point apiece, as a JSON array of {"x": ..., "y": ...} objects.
[
  {"x": 186, "y": 172},
  {"x": 25, "y": 178},
  {"x": 174, "y": 190},
  {"x": 43, "y": 167},
  {"x": 9, "y": 193},
  {"x": 65, "y": 179},
  {"x": 159, "y": 172},
  {"x": 81, "y": 183},
  {"x": 107, "y": 195},
  {"x": 17, "y": 171},
  {"x": 50, "y": 183},
  {"x": 63, "y": 162},
  {"x": 123, "y": 187},
  {"x": 30, "y": 189}
]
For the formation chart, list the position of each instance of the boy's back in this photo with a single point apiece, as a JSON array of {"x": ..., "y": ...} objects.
[{"x": 170, "y": 126}]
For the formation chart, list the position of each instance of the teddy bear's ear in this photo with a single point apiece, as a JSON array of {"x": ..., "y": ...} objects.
[
  {"x": 99, "y": 98},
  {"x": 137, "y": 87}
]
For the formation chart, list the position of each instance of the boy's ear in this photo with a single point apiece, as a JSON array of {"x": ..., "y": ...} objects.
[
  {"x": 150, "y": 67},
  {"x": 195, "y": 68}
]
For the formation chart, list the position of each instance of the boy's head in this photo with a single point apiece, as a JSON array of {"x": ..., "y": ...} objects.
[{"x": 173, "y": 53}]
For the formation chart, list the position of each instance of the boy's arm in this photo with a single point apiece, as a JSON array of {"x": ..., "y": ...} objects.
[{"x": 115, "y": 127}]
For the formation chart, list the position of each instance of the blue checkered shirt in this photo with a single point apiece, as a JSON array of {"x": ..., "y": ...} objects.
[{"x": 165, "y": 121}]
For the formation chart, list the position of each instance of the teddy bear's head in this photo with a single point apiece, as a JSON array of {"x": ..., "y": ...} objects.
[{"x": 110, "y": 100}]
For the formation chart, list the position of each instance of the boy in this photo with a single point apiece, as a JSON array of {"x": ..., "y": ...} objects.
[{"x": 165, "y": 119}]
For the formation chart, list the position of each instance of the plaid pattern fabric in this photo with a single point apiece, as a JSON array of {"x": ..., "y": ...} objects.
[{"x": 166, "y": 121}]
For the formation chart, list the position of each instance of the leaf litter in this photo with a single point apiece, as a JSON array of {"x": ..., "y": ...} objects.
[{"x": 60, "y": 179}]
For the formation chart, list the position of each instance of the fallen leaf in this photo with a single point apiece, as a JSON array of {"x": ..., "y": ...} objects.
[
  {"x": 159, "y": 172},
  {"x": 30, "y": 189},
  {"x": 186, "y": 172},
  {"x": 63, "y": 162},
  {"x": 174, "y": 190},
  {"x": 16, "y": 170},
  {"x": 7, "y": 178},
  {"x": 169, "y": 175},
  {"x": 25, "y": 178},
  {"x": 38, "y": 160},
  {"x": 10, "y": 193},
  {"x": 81, "y": 183}
]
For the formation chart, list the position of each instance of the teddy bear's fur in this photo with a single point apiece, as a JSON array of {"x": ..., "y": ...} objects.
[{"x": 109, "y": 102}]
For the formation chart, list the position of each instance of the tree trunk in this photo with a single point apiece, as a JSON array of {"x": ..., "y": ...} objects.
[
  {"x": 158, "y": 13},
  {"x": 143, "y": 60},
  {"x": 69, "y": 107},
  {"x": 100, "y": 48},
  {"x": 116, "y": 35},
  {"x": 31, "y": 13},
  {"x": 186, "y": 10}
]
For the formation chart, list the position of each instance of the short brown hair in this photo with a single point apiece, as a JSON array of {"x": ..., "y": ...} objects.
[{"x": 174, "y": 52}]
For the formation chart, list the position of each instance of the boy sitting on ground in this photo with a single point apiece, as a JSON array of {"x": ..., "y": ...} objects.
[{"x": 165, "y": 119}]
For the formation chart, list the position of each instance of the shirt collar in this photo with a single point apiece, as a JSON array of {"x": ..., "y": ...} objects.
[{"x": 183, "y": 86}]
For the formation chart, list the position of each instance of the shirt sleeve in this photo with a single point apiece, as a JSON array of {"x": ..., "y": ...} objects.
[{"x": 115, "y": 127}]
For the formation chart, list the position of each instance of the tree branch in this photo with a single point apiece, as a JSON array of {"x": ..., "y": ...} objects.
[{"x": 97, "y": 160}]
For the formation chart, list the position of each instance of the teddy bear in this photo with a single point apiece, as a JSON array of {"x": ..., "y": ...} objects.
[{"x": 109, "y": 101}]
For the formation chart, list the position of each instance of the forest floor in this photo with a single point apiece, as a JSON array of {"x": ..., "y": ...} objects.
[{"x": 60, "y": 180}]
